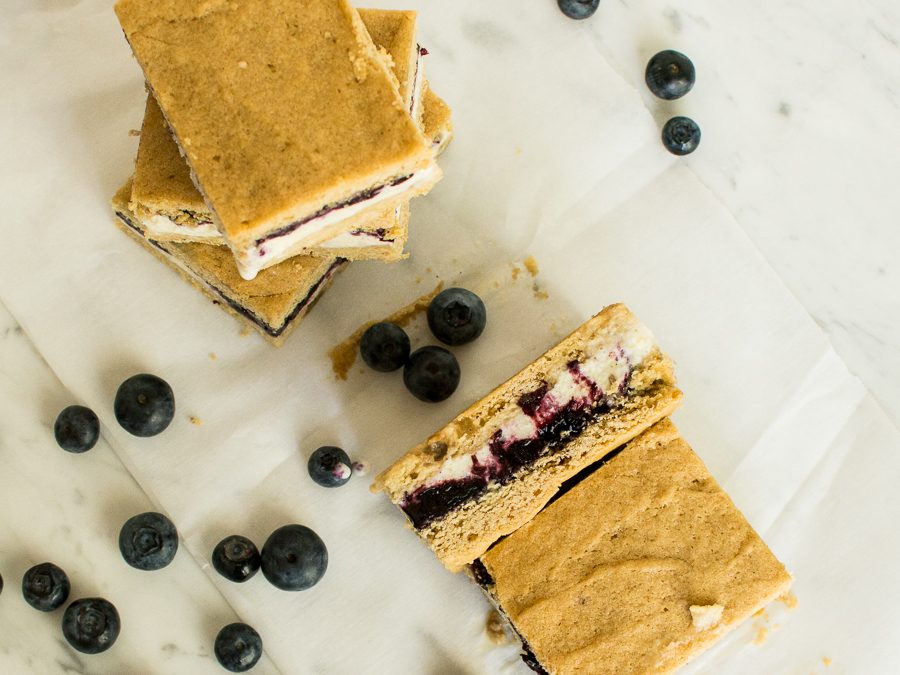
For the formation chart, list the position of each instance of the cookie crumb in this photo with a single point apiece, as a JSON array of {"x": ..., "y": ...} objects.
[
  {"x": 540, "y": 293},
  {"x": 516, "y": 271},
  {"x": 212, "y": 356},
  {"x": 245, "y": 331},
  {"x": 789, "y": 600},
  {"x": 196, "y": 421},
  {"x": 826, "y": 661},
  {"x": 531, "y": 265},
  {"x": 495, "y": 627},
  {"x": 705, "y": 617},
  {"x": 134, "y": 133},
  {"x": 761, "y": 635},
  {"x": 343, "y": 355}
]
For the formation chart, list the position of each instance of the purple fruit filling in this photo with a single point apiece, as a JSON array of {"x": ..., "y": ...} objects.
[
  {"x": 531, "y": 660},
  {"x": 482, "y": 577},
  {"x": 356, "y": 199},
  {"x": 380, "y": 234},
  {"x": 555, "y": 426}
]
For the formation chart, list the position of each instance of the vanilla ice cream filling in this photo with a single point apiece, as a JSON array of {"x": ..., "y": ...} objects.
[
  {"x": 269, "y": 250},
  {"x": 601, "y": 375},
  {"x": 160, "y": 225}
]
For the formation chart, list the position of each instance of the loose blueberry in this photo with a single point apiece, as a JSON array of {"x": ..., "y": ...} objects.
[
  {"x": 238, "y": 647},
  {"x": 384, "y": 347},
  {"x": 145, "y": 405},
  {"x": 236, "y": 558},
  {"x": 330, "y": 466},
  {"x": 456, "y": 316},
  {"x": 432, "y": 374},
  {"x": 45, "y": 587},
  {"x": 77, "y": 429},
  {"x": 294, "y": 558},
  {"x": 670, "y": 75},
  {"x": 91, "y": 625},
  {"x": 578, "y": 9},
  {"x": 148, "y": 541},
  {"x": 681, "y": 135}
]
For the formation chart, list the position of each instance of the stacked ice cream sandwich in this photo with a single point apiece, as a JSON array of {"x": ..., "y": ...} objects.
[{"x": 287, "y": 146}]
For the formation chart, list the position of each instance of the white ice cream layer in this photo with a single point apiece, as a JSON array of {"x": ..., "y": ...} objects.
[
  {"x": 159, "y": 224},
  {"x": 263, "y": 255},
  {"x": 612, "y": 358}
]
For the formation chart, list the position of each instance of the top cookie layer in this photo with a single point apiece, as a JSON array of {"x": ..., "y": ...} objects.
[{"x": 279, "y": 106}]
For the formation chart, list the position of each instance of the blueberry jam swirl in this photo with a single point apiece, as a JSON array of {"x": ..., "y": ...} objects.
[{"x": 550, "y": 417}]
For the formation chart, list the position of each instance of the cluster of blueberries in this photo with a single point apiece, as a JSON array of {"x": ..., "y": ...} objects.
[
  {"x": 670, "y": 75},
  {"x": 455, "y": 316},
  {"x": 293, "y": 558},
  {"x": 90, "y": 625}
]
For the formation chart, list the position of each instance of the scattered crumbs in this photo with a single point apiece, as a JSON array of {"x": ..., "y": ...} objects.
[
  {"x": 761, "y": 636},
  {"x": 360, "y": 467},
  {"x": 196, "y": 421},
  {"x": 242, "y": 64},
  {"x": 761, "y": 614},
  {"x": 134, "y": 132},
  {"x": 343, "y": 355},
  {"x": 516, "y": 271},
  {"x": 495, "y": 627},
  {"x": 826, "y": 661},
  {"x": 540, "y": 293},
  {"x": 531, "y": 265},
  {"x": 789, "y": 600},
  {"x": 212, "y": 356},
  {"x": 245, "y": 331}
]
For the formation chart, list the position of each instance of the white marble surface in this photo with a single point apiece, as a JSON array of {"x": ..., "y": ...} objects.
[
  {"x": 67, "y": 509},
  {"x": 799, "y": 108}
]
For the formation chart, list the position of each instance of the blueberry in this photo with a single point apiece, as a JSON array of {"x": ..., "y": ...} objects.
[
  {"x": 148, "y": 541},
  {"x": 432, "y": 374},
  {"x": 236, "y": 558},
  {"x": 670, "y": 75},
  {"x": 238, "y": 647},
  {"x": 145, "y": 405},
  {"x": 45, "y": 587},
  {"x": 578, "y": 9},
  {"x": 91, "y": 625},
  {"x": 330, "y": 466},
  {"x": 681, "y": 135},
  {"x": 384, "y": 347},
  {"x": 294, "y": 558},
  {"x": 77, "y": 429},
  {"x": 456, "y": 316}
]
